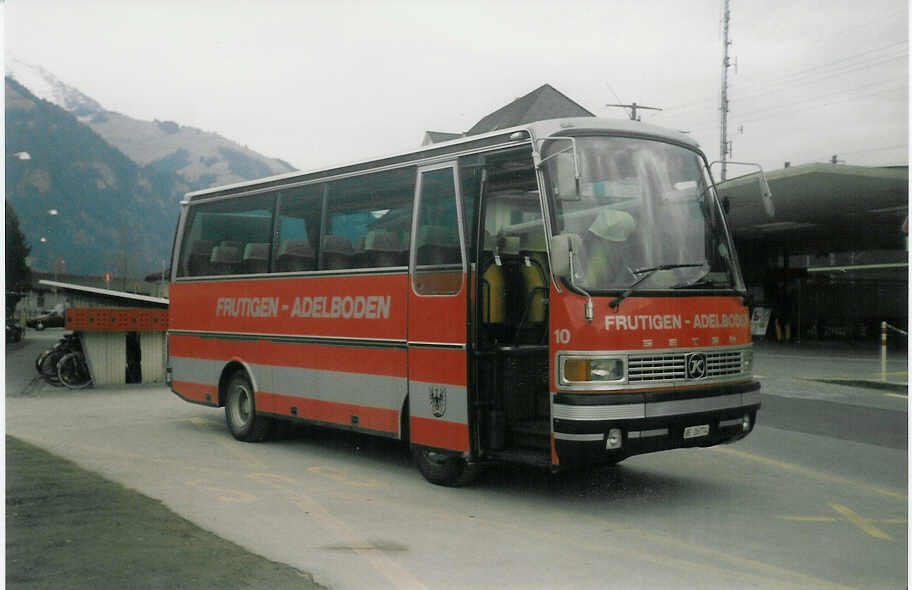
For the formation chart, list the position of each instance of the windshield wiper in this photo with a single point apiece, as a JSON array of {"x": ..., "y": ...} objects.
[
  {"x": 702, "y": 283},
  {"x": 647, "y": 272}
]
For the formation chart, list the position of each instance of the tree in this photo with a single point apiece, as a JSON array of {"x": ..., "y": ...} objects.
[{"x": 18, "y": 274}]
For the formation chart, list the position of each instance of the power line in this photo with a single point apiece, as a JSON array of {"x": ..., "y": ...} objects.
[
  {"x": 781, "y": 109},
  {"x": 818, "y": 97},
  {"x": 848, "y": 58},
  {"x": 811, "y": 103},
  {"x": 795, "y": 78},
  {"x": 791, "y": 83}
]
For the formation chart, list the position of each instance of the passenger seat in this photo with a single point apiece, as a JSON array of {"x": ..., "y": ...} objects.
[
  {"x": 295, "y": 255},
  {"x": 337, "y": 253},
  {"x": 256, "y": 258}
]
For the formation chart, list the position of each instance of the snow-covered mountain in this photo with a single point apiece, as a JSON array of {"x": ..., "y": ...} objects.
[
  {"x": 202, "y": 159},
  {"x": 46, "y": 86}
]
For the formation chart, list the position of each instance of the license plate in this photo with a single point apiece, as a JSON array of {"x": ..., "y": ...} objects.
[{"x": 696, "y": 431}]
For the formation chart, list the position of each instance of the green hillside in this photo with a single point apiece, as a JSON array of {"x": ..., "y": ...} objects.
[{"x": 111, "y": 213}]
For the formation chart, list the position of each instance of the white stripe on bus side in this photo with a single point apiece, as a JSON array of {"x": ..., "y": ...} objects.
[{"x": 373, "y": 391}]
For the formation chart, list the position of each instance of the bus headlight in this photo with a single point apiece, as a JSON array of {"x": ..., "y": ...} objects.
[{"x": 592, "y": 370}]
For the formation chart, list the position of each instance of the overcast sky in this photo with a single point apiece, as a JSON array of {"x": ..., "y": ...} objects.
[{"x": 316, "y": 83}]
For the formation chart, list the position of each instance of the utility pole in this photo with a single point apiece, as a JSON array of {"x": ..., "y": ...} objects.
[
  {"x": 724, "y": 148},
  {"x": 633, "y": 109}
]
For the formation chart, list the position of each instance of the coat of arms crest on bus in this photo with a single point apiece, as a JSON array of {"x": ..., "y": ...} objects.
[{"x": 437, "y": 398}]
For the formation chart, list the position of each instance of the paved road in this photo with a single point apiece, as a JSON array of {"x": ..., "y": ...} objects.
[{"x": 815, "y": 497}]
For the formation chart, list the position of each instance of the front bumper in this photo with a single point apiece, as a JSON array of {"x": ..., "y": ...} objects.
[{"x": 650, "y": 421}]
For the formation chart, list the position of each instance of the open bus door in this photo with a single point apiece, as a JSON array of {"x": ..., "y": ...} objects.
[{"x": 437, "y": 334}]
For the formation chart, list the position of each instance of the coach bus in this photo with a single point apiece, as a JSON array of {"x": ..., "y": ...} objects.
[{"x": 564, "y": 293}]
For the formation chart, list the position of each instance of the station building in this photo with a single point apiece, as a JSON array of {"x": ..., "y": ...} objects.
[{"x": 830, "y": 264}]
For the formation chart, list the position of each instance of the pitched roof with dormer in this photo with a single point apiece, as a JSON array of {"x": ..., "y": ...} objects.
[{"x": 545, "y": 102}]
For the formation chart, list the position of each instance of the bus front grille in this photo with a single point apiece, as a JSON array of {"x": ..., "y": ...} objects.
[{"x": 658, "y": 368}]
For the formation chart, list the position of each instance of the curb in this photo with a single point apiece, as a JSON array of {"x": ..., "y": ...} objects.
[{"x": 870, "y": 384}]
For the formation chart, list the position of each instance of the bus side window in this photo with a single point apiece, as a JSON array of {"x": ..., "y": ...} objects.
[
  {"x": 298, "y": 229},
  {"x": 217, "y": 233},
  {"x": 365, "y": 217},
  {"x": 471, "y": 170},
  {"x": 438, "y": 256}
]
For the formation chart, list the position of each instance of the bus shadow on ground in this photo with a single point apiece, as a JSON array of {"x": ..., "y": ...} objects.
[
  {"x": 594, "y": 484},
  {"x": 345, "y": 444},
  {"x": 599, "y": 484}
]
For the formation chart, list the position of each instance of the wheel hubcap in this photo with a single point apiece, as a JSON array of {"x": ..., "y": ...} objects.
[{"x": 241, "y": 406}]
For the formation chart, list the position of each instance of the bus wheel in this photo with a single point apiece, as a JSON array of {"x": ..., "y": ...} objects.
[
  {"x": 240, "y": 411},
  {"x": 443, "y": 469}
]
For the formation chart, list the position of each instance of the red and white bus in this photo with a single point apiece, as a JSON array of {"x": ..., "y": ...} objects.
[{"x": 563, "y": 293}]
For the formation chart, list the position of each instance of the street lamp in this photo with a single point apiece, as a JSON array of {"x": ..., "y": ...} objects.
[{"x": 52, "y": 213}]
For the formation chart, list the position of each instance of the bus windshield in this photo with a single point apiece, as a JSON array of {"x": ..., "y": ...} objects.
[{"x": 644, "y": 213}]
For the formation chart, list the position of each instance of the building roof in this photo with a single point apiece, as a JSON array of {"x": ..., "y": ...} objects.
[
  {"x": 438, "y": 136},
  {"x": 822, "y": 208},
  {"x": 108, "y": 295},
  {"x": 545, "y": 102}
]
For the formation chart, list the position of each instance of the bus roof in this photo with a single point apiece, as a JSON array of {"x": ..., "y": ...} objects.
[{"x": 500, "y": 138}]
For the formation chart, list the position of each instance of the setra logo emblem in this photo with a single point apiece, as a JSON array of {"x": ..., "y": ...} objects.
[
  {"x": 696, "y": 365},
  {"x": 437, "y": 399}
]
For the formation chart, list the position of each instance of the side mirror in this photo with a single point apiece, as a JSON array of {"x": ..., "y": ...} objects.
[
  {"x": 563, "y": 195},
  {"x": 766, "y": 195},
  {"x": 563, "y": 246}
]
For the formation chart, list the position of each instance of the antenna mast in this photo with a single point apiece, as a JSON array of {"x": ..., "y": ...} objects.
[
  {"x": 633, "y": 109},
  {"x": 724, "y": 146}
]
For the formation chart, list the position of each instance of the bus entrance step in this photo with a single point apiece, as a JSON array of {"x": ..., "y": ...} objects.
[
  {"x": 531, "y": 434},
  {"x": 524, "y": 456}
]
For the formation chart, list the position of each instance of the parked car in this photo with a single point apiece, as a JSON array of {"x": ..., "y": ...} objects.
[
  {"x": 50, "y": 319},
  {"x": 13, "y": 330}
]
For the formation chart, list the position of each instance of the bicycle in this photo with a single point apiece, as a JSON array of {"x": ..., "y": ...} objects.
[
  {"x": 73, "y": 371},
  {"x": 75, "y": 374}
]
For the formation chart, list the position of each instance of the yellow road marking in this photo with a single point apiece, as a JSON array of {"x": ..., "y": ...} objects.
[
  {"x": 863, "y": 523},
  {"x": 223, "y": 494},
  {"x": 834, "y": 519},
  {"x": 243, "y": 455},
  {"x": 234, "y": 449},
  {"x": 809, "y": 518},
  {"x": 802, "y": 580},
  {"x": 811, "y": 473},
  {"x": 394, "y": 571},
  {"x": 852, "y": 517},
  {"x": 763, "y": 574},
  {"x": 340, "y": 476}
]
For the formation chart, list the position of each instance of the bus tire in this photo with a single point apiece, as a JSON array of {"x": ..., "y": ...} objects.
[
  {"x": 443, "y": 469},
  {"x": 240, "y": 411}
]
